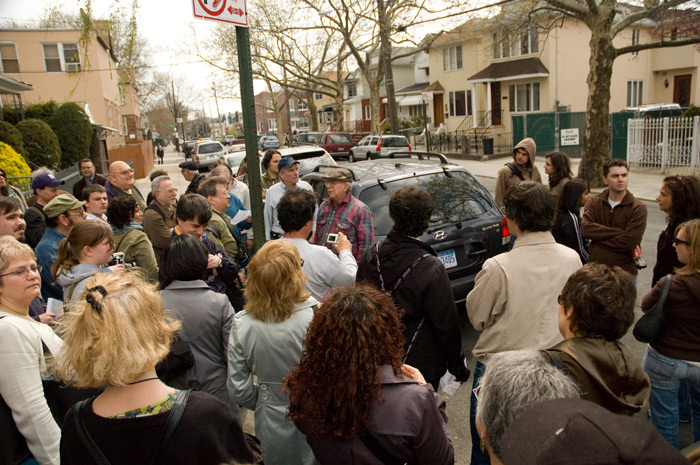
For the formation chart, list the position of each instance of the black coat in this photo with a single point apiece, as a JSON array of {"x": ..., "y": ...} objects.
[
  {"x": 80, "y": 185},
  {"x": 666, "y": 257},
  {"x": 424, "y": 294}
]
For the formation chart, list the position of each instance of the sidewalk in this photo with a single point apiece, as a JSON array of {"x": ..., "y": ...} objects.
[{"x": 170, "y": 162}]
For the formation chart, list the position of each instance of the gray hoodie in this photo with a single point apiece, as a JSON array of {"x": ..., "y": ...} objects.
[{"x": 74, "y": 281}]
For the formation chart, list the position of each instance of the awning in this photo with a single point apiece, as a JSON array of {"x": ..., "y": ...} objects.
[
  {"x": 411, "y": 100},
  {"x": 398, "y": 100},
  {"x": 510, "y": 71},
  {"x": 12, "y": 86}
]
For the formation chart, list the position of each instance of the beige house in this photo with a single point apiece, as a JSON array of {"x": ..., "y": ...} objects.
[
  {"x": 52, "y": 61},
  {"x": 480, "y": 76}
]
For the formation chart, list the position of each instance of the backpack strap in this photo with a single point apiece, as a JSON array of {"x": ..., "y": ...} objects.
[
  {"x": 515, "y": 171},
  {"x": 171, "y": 423},
  {"x": 215, "y": 232},
  {"x": 378, "y": 451},
  {"x": 39, "y": 211},
  {"x": 156, "y": 208},
  {"x": 116, "y": 249},
  {"x": 557, "y": 361},
  {"x": 85, "y": 437}
]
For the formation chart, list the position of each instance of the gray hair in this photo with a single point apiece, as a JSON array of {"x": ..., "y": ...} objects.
[
  {"x": 513, "y": 382},
  {"x": 41, "y": 170},
  {"x": 223, "y": 171},
  {"x": 155, "y": 184}
]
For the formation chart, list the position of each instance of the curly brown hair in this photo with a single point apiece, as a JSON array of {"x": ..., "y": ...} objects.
[
  {"x": 410, "y": 208},
  {"x": 354, "y": 333}
]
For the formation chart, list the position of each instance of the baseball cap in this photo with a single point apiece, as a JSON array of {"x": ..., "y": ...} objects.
[
  {"x": 46, "y": 180},
  {"x": 286, "y": 162},
  {"x": 62, "y": 204},
  {"x": 338, "y": 174},
  {"x": 576, "y": 431},
  {"x": 188, "y": 165}
]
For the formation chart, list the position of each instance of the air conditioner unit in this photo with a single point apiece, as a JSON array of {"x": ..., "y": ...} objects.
[{"x": 72, "y": 67}]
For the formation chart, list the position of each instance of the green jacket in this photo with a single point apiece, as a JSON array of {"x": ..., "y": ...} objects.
[
  {"x": 138, "y": 249},
  {"x": 221, "y": 235}
]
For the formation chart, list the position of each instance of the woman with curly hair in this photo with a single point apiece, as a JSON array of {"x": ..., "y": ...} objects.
[
  {"x": 558, "y": 166},
  {"x": 265, "y": 341},
  {"x": 352, "y": 395},
  {"x": 113, "y": 339},
  {"x": 679, "y": 198}
]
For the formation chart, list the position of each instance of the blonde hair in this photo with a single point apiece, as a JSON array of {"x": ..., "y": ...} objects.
[
  {"x": 110, "y": 339},
  {"x": 88, "y": 233},
  {"x": 692, "y": 235},
  {"x": 11, "y": 249},
  {"x": 275, "y": 282}
]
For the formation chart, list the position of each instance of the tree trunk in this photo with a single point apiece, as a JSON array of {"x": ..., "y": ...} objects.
[
  {"x": 596, "y": 142},
  {"x": 375, "y": 103},
  {"x": 313, "y": 115},
  {"x": 339, "y": 110}
]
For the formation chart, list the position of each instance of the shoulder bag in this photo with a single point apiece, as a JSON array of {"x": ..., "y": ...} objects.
[{"x": 653, "y": 323}]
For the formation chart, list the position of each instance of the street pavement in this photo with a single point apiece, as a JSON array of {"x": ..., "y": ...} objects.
[{"x": 644, "y": 184}]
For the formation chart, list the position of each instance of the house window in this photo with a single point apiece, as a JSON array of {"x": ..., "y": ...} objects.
[
  {"x": 368, "y": 112},
  {"x": 270, "y": 108},
  {"x": 452, "y": 58},
  {"x": 513, "y": 45},
  {"x": 634, "y": 93},
  {"x": 458, "y": 103},
  {"x": 10, "y": 62},
  {"x": 303, "y": 122},
  {"x": 125, "y": 128},
  {"x": 635, "y": 41},
  {"x": 291, "y": 104},
  {"x": 415, "y": 110},
  {"x": 352, "y": 89},
  {"x": 318, "y": 96},
  {"x": 271, "y": 124},
  {"x": 524, "y": 97},
  {"x": 303, "y": 105},
  {"x": 61, "y": 57}
]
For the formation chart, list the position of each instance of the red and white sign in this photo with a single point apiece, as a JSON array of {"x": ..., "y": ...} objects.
[{"x": 227, "y": 11}]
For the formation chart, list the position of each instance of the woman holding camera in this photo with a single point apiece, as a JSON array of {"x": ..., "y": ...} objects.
[{"x": 87, "y": 250}]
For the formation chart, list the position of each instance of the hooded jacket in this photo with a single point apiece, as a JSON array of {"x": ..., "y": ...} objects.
[
  {"x": 78, "y": 275},
  {"x": 507, "y": 178},
  {"x": 681, "y": 339},
  {"x": 606, "y": 372}
]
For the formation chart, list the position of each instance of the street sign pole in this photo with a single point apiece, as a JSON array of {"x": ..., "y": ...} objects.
[{"x": 245, "y": 70}]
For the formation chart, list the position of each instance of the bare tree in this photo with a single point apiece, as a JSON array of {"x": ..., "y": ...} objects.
[{"x": 606, "y": 19}]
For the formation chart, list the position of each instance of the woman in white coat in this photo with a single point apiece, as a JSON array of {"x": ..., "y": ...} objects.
[{"x": 265, "y": 341}]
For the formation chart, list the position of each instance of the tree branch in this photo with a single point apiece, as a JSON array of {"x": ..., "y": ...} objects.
[
  {"x": 646, "y": 13},
  {"x": 659, "y": 44}
]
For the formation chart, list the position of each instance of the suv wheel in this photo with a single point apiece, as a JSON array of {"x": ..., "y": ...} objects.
[{"x": 351, "y": 157}]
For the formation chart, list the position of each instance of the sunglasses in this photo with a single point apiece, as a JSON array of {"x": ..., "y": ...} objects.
[{"x": 677, "y": 241}]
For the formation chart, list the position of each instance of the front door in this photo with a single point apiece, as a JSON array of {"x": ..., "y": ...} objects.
[
  {"x": 438, "y": 111},
  {"x": 681, "y": 90},
  {"x": 496, "y": 103}
]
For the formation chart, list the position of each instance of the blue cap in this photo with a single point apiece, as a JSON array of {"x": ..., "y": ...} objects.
[
  {"x": 46, "y": 180},
  {"x": 286, "y": 162}
]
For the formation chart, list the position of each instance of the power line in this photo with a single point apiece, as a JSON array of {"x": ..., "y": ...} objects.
[{"x": 117, "y": 69}]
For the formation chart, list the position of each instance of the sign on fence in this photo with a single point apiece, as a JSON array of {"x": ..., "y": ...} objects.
[{"x": 569, "y": 136}]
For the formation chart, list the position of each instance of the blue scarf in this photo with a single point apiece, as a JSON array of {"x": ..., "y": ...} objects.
[{"x": 132, "y": 225}]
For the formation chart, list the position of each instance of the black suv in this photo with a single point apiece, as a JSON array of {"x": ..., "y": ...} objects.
[{"x": 466, "y": 227}]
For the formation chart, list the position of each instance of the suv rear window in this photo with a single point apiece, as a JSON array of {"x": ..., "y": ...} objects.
[
  {"x": 394, "y": 142},
  {"x": 209, "y": 148},
  {"x": 455, "y": 199},
  {"x": 340, "y": 138}
]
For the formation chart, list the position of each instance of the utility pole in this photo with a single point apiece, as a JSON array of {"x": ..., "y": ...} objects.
[
  {"x": 218, "y": 113},
  {"x": 388, "y": 73}
]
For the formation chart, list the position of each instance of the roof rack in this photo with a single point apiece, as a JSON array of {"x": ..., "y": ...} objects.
[
  {"x": 317, "y": 169},
  {"x": 420, "y": 155}
]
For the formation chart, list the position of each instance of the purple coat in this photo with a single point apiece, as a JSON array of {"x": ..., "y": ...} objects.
[{"x": 409, "y": 424}]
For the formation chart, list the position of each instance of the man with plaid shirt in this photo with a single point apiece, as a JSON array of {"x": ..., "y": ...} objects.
[{"x": 341, "y": 212}]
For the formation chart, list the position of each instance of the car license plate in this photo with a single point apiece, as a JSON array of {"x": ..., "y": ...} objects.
[{"x": 448, "y": 258}]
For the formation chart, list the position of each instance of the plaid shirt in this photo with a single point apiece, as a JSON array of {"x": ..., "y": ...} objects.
[{"x": 352, "y": 218}]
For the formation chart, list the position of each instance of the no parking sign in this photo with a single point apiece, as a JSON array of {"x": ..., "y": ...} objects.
[{"x": 227, "y": 11}]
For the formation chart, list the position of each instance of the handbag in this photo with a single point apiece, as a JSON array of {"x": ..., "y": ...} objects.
[{"x": 653, "y": 323}]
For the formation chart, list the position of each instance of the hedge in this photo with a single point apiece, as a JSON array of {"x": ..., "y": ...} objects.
[
  {"x": 12, "y": 162},
  {"x": 40, "y": 143},
  {"x": 74, "y": 131},
  {"x": 11, "y": 136}
]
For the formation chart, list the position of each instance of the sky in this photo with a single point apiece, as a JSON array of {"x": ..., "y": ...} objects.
[{"x": 165, "y": 24}]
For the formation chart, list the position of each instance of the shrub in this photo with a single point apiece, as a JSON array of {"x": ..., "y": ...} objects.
[
  {"x": 42, "y": 111},
  {"x": 11, "y": 136},
  {"x": 74, "y": 131},
  {"x": 691, "y": 111},
  {"x": 41, "y": 143},
  {"x": 12, "y": 162}
]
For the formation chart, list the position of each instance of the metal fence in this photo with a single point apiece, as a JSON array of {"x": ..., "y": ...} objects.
[
  {"x": 663, "y": 143},
  {"x": 70, "y": 175}
]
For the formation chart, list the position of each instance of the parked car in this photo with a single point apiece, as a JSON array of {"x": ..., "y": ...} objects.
[
  {"x": 308, "y": 156},
  {"x": 466, "y": 227},
  {"x": 268, "y": 142},
  {"x": 189, "y": 144},
  {"x": 655, "y": 110},
  {"x": 206, "y": 152},
  {"x": 228, "y": 139},
  {"x": 338, "y": 144},
  {"x": 385, "y": 145}
]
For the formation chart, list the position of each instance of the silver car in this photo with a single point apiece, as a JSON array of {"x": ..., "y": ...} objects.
[
  {"x": 371, "y": 147},
  {"x": 206, "y": 152}
]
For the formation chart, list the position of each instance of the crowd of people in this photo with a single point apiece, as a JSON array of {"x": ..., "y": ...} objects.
[{"x": 136, "y": 328}]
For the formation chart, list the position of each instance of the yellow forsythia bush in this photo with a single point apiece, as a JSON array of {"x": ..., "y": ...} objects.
[{"x": 12, "y": 162}]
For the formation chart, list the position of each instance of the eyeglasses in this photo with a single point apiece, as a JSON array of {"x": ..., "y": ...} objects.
[
  {"x": 677, "y": 241},
  {"x": 80, "y": 213},
  {"x": 125, "y": 172},
  {"x": 502, "y": 210},
  {"x": 171, "y": 191},
  {"x": 3, "y": 175},
  {"x": 24, "y": 272},
  {"x": 560, "y": 299}
]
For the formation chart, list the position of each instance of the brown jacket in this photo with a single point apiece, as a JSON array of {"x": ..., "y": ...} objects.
[
  {"x": 614, "y": 232},
  {"x": 606, "y": 372},
  {"x": 507, "y": 178},
  {"x": 158, "y": 228},
  {"x": 681, "y": 338}
]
